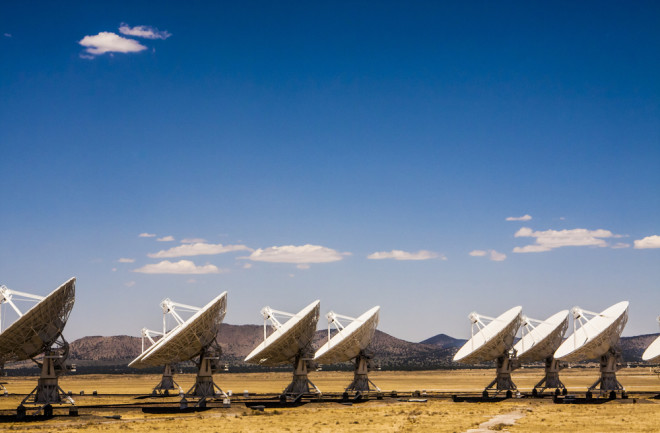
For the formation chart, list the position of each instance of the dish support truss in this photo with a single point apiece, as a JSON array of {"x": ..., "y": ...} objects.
[
  {"x": 505, "y": 363},
  {"x": 300, "y": 384},
  {"x": 610, "y": 362},
  {"x": 363, "y": 362},
  {"x": 552, "y": 366}
]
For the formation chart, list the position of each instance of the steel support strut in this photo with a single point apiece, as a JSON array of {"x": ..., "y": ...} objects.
[
  {"x": 551, "y": 380},
  {"x": 502, "y": 382},
  {"x": 609, "y": 365},
  {"x": 301, "y": 384},
  {"x": 361, "y": 381}
]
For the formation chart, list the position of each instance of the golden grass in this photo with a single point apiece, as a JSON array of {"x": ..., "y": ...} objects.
[{"x": 438, "y": 415}]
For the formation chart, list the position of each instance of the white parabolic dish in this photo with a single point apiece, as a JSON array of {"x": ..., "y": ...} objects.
[
  {"x": 493, "y": 340},
  {"x": 652, "y": 353},
  {"x": 285, "y": 343},
  {"x": 37, "y": 329},
  {"x": 187, "y": 340},
  {"x": 595, "y": 337},
  {"x": 350, "y": 341},
  {"x": 544, "y": 339}
]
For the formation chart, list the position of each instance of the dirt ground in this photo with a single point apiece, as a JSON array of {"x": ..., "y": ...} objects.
[{"x": 117, "y": 406}]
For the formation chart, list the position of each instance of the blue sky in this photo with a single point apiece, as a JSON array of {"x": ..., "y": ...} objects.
[{"x": 361, "y": 153}]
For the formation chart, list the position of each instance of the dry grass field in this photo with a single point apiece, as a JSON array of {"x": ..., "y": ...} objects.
[{"x": 439, "y": 414}]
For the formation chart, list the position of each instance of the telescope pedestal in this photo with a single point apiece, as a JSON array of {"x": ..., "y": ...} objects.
[
  {"x": 204, "y": 386},
  {"x": 167, "y": 382},
  {"x": 503, "y": 382},
  {"x": 48, "y": 390},
  {"x": 301, "y": 383},
  {"x": 551, "y": 380},
  {"x": 608, "y": 368},
  {"x": 361, "y": 382}
]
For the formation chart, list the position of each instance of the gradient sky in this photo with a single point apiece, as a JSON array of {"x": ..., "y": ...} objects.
[{"x": 432, "y": 158}]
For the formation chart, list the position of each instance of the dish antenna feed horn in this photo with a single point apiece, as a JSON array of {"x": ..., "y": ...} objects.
[
  {"x": 540, "y": 340},
  {"x": 192, "y": 339},
  {"x": 596, "y": 336},
  {"x": 37, "y": 331},
  {"x": 289, "y": 343},
  {"x": 351, "y": 343},
  {"x": 494, "y": 341}
]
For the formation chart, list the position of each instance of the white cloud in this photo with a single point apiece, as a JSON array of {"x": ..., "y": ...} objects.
[
  {"x": 146, "y": 32},
  {"x": 114, "y": 269},
  {"x": 166, "y": 239},
  {"x": 522, "y": 218},
  {"x": 497, "y": 256},
  {"x": 198, "y": 249},
  {"x": 493, "y": 255},
  {"x": 126, "y": 260},
  {"x": 620, "y": 245},
  {"x": 550, "y": 239},
  {"x": 129, "y": 284},
  {"x": 192, "y": 240},
  {"x": 7, "y": 35},
  {"x": 296, "y": 254},
  {"x": 303, "y": 266},
  {"x": 108, "y": 42},
  {"x": 404, "y": 255},
  {"x": 648, "y": 242},
  {"x": 146, "y": 235},
  {"x": 180, "y": 267},
  {"x": 247, "y": 265}
]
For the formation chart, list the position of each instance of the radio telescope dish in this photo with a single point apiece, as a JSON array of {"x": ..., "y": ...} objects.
[
  {"x": 350, "y": 343},
  {"x": 539, "y": 344},
  {"x": 291, "y": 342},
  {"x": 652, "y": 353},
  {"x": 493, "y": 341},
  {"x": 187, "y": 340},
  {"x": 597, "y": 338},
  {"x": 38, "y": 331}
]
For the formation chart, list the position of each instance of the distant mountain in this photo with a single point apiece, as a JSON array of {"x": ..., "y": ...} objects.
[
  {"x": 444, "y": 341},
  {"x": 634, "y": 347},
  {"x": 239, "y": 340},
  {"x": 120, "y": 348}
]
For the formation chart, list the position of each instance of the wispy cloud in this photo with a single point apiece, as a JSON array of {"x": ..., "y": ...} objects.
[
  {"x": 129, "y": 284},
  {"x": 296, "y": 254},
  {"x": 404, "y": 255},
  {"x": 551, "y": 239},
  {"x": 522, "y": 218},
  {"x": 108, "y": 42},
  {"x": 493, "y": 255},
  {"x": 192, "y": 240},
  {"x": 180, "y": 267},
  {"x": 146, "y": 235},
  {"x": 146, "y": 32},
  {"x": 166, "y": 239},
  {"x": 126, "y": 260},
  {"x": 648, "y": 242},
  {"x": 198, "y": 249},
  {"x": 7, "y": 35}
]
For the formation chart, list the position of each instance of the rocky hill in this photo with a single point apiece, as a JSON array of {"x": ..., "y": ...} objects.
[
  {"x": 445, "y": 341},
  {"x": 633, "y": 347},
  {"x": 238, "y": 340}
]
